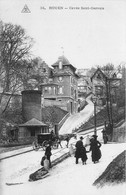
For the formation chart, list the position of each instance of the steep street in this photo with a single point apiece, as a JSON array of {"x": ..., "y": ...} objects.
[
  {"x": 66, "y": 178},
  {"x": 75, "y": 120}
]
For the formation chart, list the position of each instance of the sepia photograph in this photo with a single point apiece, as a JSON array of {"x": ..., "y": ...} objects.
[{"x": 62, "y": 97}]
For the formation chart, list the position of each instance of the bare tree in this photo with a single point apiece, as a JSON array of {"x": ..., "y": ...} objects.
[
  {"x": 108, "y": 69},
  {"x": 15, "y": 50}
]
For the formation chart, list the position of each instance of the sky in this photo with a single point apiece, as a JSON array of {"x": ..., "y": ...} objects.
[{"x": 93, "y": 33}]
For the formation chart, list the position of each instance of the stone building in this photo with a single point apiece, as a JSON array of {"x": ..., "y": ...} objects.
[
  {"x": 29, "y": 130},
  {"x": 38, "y": 119},
  {"x": 62, "y": 87}
]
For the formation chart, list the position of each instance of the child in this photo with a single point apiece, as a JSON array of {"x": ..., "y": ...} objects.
[
  {"x": 71, "y": 150},
  {"x": 46, "y": 164},
  {"x": 84, "y": 155}
]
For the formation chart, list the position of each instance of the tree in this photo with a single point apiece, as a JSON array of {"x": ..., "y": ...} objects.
[
  {"x": 111, "y": 84},
  {"x": 108, "y": 69},
  {"x": 122, "y": 89},
  {"x": 39, "y": 72},
  {"x": 15, "y": 51}
]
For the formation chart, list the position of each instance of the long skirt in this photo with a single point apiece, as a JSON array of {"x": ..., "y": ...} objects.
[{"x": 96, "y": 154}]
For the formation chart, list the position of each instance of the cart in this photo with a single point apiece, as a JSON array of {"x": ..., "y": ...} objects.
[{"x": 43, "y": 140}]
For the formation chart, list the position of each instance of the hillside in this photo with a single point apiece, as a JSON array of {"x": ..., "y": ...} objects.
[
  {"x": 102, "y": 116},
  {"x": 114, "y": 173},
  {"x": 52, "y": 114}
]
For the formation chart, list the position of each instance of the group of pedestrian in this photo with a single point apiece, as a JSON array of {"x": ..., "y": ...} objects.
[
  {"x": 94, "y": 148},
  {"x": 80, "y": 152}
]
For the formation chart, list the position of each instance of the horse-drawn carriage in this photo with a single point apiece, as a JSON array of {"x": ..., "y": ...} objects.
[{"x": 43, "y": 140}]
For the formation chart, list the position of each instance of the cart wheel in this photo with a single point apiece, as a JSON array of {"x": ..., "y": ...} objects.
[
  {"x": 44, "y": 145},
  {"x": 54, "y": 146}
]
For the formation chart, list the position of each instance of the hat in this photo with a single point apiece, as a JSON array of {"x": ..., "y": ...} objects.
[
  {"x": 95, "y": 136},
  {"x": 81, "y": 137}
]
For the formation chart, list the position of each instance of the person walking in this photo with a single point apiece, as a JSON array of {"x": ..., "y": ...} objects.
[
  {"x": 80, "y": 151},
  {"x": 95, "y": 149},
  {"x": 67, "y": 140},
  {"x": 48, "y": 153},
  {"x": 104, "y": 135},
  {"x": 58, "y": 141},
  {"x": 35, "y": 145}
]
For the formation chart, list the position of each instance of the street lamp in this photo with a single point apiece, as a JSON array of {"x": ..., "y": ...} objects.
[
  {"x": 110, "y": 82},
  {"x": 94, "y": 100}
]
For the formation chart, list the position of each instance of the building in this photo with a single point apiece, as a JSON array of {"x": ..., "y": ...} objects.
[
  {"x": 104, "y": 85},
  {"x": 29, "y": 130},
  {"x": 38, "y": 119},
  {"x": 84, "y": 84},
  {"x": 62, "y": 86}
]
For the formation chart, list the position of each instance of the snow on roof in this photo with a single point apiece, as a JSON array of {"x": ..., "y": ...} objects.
[{"x": 34, "y": 122}]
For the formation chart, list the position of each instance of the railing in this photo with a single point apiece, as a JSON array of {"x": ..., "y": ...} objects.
[{"x": 63, "y": 120}]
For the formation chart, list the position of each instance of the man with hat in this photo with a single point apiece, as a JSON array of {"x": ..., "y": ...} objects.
[{"x": 80, "y": 151}]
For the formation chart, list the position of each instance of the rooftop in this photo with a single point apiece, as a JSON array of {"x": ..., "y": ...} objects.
[{"x": 33, "y": 122}]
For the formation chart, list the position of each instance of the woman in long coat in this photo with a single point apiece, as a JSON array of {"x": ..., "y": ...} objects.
[{"x": 95, "y": 148}]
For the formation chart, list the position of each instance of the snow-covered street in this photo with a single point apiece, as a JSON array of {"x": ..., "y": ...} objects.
[
  {"x": 65, "y": 178},
  {"x": 18, "y": 168},
  {"x": 75, "y": 120}
]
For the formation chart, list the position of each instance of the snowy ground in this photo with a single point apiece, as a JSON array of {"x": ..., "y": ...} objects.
[
  {"x": 76, "y": 120},
  {"x": 18, "y": 168},
  {"x": 67, "y": 178}
]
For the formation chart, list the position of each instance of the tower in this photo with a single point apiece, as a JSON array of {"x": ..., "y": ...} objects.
[{"x": 31, "y": 104}]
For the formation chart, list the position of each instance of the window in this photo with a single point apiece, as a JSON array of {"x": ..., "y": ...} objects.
[
  {"x": 50, "y": 90},
  {"x": 46, "y": 88},
  {"x": 99, "y": 76},
  {"x": 44, "y": 69},
  {"x": 99, "y": 90},
  {"x": 60, "y": 78},
  {"x": 72, "y": 91},
  {"x": 75, "y": 94},
  {"x": 60, "y": 90},
  {"x": 60, "y": 65},
  {"x": 50, "y": 80},
  {"x": 54, "y": 89}
]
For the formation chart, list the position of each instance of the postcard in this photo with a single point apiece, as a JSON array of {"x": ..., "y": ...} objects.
[{"x": 56, "y": 138}]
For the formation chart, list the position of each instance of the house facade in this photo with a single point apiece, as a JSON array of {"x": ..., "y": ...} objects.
[
  {"x": 62, "y": 86},
  {"x": 84, "y": 84},
  {"x": 104, "y": 86}
]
